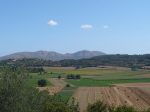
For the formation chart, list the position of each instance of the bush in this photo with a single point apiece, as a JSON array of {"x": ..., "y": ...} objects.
[
  {"x": 55, "y": 107},
  {"x": 71, "y": 76},
  {"x": 42, "y": 83},
  {"x": 78, "y": 76},
  {"x": 67, "y": 85},
  {"x": 123, "y": 109},
  {"x": 15, "y": 95},
  {"x": 97, "y": 107},
  {"x": 36, "y": 70},
  {"x": 101, "y": 107},
  {"x": 59, "y": 77}
]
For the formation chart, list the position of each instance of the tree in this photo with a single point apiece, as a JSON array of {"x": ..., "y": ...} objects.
[
  {"x": 59, "y": 77},
  {"x": 42, "y": 82},
  {"x": 15, "y": 95}
]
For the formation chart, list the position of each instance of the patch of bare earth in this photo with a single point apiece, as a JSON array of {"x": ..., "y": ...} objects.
[
  {"x": 114, "y": 96},
  {"x": 58, "y": 85}
]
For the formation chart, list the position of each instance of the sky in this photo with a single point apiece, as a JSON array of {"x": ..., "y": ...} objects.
[{"x": 110, "y": 26}]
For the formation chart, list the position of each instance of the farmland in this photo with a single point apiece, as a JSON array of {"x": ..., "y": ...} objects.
[
  {"x": 101, "y": 73},
  {"x": 113, "y": 85},
  {"x": 113, "y": 96},
  {"x": 93, "y": 82}
]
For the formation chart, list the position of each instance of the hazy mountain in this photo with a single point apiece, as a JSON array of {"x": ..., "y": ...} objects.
[{"x": 54, "y": 56}]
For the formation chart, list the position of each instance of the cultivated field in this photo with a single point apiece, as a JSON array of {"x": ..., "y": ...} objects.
[
  {"x": 114, "y": 96},
  {"x": 113, "y": 85},
  {"x": 99, "y": 73}
]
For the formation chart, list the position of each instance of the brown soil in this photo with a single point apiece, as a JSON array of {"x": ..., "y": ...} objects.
[
  {"x": 126, "y": 94},
  {"x": 58, "y": 85}
]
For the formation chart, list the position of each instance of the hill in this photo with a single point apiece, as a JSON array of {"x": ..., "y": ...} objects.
[
  {"x": 138, "y": 61},
  {"x": 54, "y": 56}
]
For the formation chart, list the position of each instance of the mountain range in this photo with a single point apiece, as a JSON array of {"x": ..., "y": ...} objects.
[{"x": 54, "y": 56}]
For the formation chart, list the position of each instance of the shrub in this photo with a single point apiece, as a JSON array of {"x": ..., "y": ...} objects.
[
  {"x": 16, "y": 96},
  {"x": 78, "y": 76},
  {"x": 55, "y": 107},
  {"x": 97, "y": 107},
  {"x": 123, "y": 109},
  {"x": 71, "y": 76},
  {"x": 67, "y": 85},
  {"x": 42, "y": 83},
  {"x": 59, "y": 77}
]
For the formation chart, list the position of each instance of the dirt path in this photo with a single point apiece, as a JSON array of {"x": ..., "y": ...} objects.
[{"x": 58, "y": 85}]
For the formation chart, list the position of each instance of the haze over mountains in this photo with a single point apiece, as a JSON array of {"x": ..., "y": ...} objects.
[{"x": 54, "y": 56}]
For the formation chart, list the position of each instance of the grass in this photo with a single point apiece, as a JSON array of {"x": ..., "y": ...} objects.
[
  {"x": 66, "y": 93},
  {"x": 34, "y": 77},
  {"x": 98, "y": 73},
  {"x": 55, "y": 75},
  {"x": 95, "y": 71},
  {"x": 90, "y": 78},
  {"x": 94, "y": 82}
]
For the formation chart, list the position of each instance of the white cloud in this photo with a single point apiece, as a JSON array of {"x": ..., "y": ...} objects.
[
  {"x": 52, "y": 23},
  {"x": 105, "y": 26},
  {"x": 86, "y": 26}
]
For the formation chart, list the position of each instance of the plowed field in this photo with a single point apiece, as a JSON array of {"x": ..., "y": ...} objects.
[{"x": 136, "y": 95}]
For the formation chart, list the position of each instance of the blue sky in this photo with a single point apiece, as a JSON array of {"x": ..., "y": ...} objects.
[{"x": 111, "y": 26}]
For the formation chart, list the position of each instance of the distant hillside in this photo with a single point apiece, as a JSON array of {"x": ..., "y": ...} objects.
[
  {"x": 54, "y": 56},
  {"x": 137, "y": 61}
]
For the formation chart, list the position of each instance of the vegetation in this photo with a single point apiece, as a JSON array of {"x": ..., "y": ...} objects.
[
  {"x": 42, "y": 83},
  {"x": 59, "y": 77},
  {"x": 66, "y": 93},
  {"x": 16, "y": 96},
  {"x": 36, "y": 70},
  {"x": 97, "y": 107},
  {"x": 102, "y": 73},
  {"x": 35, "y": 77},
  {"x": 102, "y": 107},
  {"x": 18, "y": 91},
  {"x": 71, "y": 76},
  {"x": 105, "y": 60},
  {"x": 95, "y": 82}
]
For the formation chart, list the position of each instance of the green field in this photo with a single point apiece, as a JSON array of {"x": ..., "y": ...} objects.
[
  {"x": 85, "y": 71},
  {"x": 93, "y": 82},
  {"x": 92, "y": 77},
  {"x": 66, "y": 93},
  {"x": 98, "y": 73},
  {"x": 34, "y": 77},
  {"x": 95, "y": 77}
]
